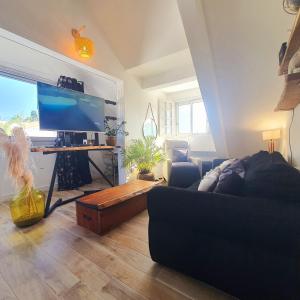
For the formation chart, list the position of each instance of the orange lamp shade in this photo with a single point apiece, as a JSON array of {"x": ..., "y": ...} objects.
[{"x": 83, "y": 45}]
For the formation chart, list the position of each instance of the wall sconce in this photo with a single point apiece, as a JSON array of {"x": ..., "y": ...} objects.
[
  {"x": 271, "y": 136},
  {"x": 84, "y": 46}
]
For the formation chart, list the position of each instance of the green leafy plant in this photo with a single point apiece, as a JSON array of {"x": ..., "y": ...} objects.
[
  {"x": 113, "y": 129},
  {"x": 143, "y": 154}
]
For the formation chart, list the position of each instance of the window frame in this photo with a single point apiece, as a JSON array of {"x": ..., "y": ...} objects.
[
  {"x": 190, "y": 102},
  {"x": 20, "y": 77}
]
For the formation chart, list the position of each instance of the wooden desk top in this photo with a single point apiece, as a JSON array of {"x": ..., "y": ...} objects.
[
  {"x": 64, "y": 149},
  {"x": 117, "y": 194}
]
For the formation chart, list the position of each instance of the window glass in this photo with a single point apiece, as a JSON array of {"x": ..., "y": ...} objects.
[
  {"x": 184, "y": 118},
  {"x": 18, "y": 107},
  {"x": 199, "y": 118}
]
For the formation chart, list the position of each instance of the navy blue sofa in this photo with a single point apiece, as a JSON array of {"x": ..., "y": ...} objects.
[{"x": 248, "y": 245}]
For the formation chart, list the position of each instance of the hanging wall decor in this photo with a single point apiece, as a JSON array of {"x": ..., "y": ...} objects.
[{"x": 149, "y": 125}]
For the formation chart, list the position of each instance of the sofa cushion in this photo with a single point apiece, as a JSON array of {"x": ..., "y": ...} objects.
[
  {"x": 180, "y": 155},
  {"x": 269, "y": 175},
  {"x": 232, "y": 184},
  {"x": 209, "y": 181},
  {"x": 211, "y": 178},
  {"x": 194, "y": 186}
]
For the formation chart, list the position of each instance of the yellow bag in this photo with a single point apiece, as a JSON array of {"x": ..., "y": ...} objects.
[{"x": 28, "y": 207}]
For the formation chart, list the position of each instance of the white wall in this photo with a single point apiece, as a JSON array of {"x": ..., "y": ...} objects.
[
  {"x": 295, "y": 142},
  {"x": 240, "y": 86}
]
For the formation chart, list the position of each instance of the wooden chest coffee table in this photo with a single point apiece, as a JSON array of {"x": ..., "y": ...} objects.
[{"x": 104, "y": 210}]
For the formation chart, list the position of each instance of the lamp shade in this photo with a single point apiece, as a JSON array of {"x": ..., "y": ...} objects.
[
  {"x": 83, "y": 45},
  {"x": 271, "y": 135}
]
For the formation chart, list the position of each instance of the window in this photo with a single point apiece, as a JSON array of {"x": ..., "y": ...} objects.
[
  {"x": 191, "y": 118},
  {"x": 18, "y": 107}
]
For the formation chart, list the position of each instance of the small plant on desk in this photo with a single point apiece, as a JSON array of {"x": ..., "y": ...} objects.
[{"x": 112, "y": 130}]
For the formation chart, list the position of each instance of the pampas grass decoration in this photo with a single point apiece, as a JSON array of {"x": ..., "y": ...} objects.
[{"x": 28, "y": 206}]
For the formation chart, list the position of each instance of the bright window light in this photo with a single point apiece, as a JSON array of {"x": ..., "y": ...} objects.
[
  {"x": 191, "y": 118},
  {"x": 18, "y": 107},
  {"x": 184, "y": 118},
  {"x": 199, "y": 118}
]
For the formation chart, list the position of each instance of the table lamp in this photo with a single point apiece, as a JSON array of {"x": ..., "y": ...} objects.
[{"x": 271, "y": 136}]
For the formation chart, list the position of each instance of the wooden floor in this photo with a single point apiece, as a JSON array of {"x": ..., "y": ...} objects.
[{"x": 56, "y": 259}]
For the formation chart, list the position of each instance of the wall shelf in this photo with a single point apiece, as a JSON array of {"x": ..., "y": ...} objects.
[
  {"x": 292, "y": 46},
  {"x": 290, "y": 96}
]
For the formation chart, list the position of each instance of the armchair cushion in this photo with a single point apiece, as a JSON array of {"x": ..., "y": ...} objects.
[{"x": 180, "y": 155}]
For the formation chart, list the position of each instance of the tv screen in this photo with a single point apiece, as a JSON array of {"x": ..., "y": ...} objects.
[{"x": 68, "y": 110}]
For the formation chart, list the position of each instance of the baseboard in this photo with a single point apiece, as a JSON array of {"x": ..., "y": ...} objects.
[{"x": 8, "y": 197}]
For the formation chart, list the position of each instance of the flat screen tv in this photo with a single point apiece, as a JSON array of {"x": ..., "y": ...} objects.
[{"x": 67, "y": 110}]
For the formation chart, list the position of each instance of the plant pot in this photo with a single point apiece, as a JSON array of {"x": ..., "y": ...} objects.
[
  {"x": 111, "y": 141},
  {"x": 147, "y": 176}
]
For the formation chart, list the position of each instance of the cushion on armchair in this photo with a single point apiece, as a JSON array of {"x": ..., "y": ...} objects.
[{"x": 180, "y": 155}]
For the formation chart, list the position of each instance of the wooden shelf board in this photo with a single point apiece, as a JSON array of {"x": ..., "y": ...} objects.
[
  {"x": 290, "y": 96},
  {"x": 64, "y": 149},
  {"x": 292, "y": 46}
]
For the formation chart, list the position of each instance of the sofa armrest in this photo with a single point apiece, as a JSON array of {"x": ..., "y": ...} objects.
[{"x": 268, "y": 223}]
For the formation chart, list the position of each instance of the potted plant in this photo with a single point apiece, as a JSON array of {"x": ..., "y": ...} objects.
[
  {"x": 112, "y": 130},
  {"x": 143, "y": 154}
]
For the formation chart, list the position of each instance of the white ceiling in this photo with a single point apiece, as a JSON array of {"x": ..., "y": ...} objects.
[
  {"x": 190, "y": 85},
  {"x": 139, "y": 31}
]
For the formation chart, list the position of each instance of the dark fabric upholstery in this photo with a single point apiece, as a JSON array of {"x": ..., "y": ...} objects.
[
  {"x": 269, "y": 175},
  {"x": 183, "y": 174},
  {"x": 208, "y": 165},
  {"x": 180, "y": 155},
  {"x": 248, "y": 247},
  {"x": 194, "y": 187},
  {"x": 231, "y": 184}
]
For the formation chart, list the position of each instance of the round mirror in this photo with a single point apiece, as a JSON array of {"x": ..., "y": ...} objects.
[{"x": 149, "y": 128}]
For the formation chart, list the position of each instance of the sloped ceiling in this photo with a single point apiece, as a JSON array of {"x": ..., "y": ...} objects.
[
  {"x": 243, "y": 41},
  {"x": 139, "y": 31}
]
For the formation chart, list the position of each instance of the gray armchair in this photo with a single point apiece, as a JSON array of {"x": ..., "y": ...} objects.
[{"x": 181, "y": 170}]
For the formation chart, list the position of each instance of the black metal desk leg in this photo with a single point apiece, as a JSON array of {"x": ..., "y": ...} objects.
[
  {"x": 98, "y": 169},
  {"x": 50, "y": 192}
]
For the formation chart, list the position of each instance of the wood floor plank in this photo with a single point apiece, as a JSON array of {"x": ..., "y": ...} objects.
[
  {"x": 56, "y": 259},
  {"x": 6, "y": 292},
  {"x": 53, "y": 240},
  {"x": 55, "y": 275},
  {"x": 112, "y": 264}
]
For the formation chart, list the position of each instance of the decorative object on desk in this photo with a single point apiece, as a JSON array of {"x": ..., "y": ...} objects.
[
  {"x": 291, "y": 6},
  {"x": 83, "y": 45},
  {"x": 149, "y": 125},
  {"x": 112, "y": 130},
  {"x": 144, "y": 155},
  {"x": 270, "y": 136},
  {"x": 28, "y": 206}
]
